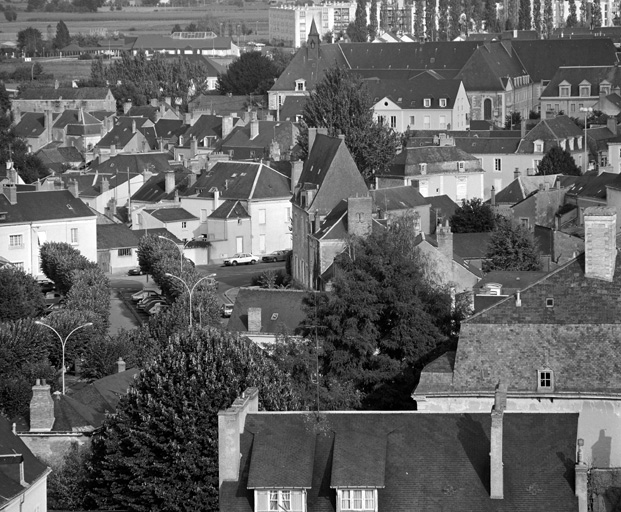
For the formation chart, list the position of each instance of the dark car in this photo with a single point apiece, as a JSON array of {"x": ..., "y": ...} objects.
[
  {"x": 226, "y": 310},
  {"x": 276, "y": 256},
  {"x": 135, "y": 271},
  {"x": 47, "y": 286}
]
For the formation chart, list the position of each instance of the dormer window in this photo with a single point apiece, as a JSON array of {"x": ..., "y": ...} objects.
[
  {"x": 565, "y": 91},
  {"x": 427, "y": 102},
  {"x": 461, "y": 166},
  {"x": 300, "y": 85},
  {"x": 563, "y": 144},
  {"x": 604, "y": 88},
  {"x": 443, "y": 102},
  {"x": 585, "y": 90},
  {"x": 276, "y": 500},
  {"x": 538, "y": 146},
  {"x": 545, "y": 380},
  {"x": 357, "y": 499},
  {"x": 571, "y": 144},
  {"x": 422, "y": 168}
]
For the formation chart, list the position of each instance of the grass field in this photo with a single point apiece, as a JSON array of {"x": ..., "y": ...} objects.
[
  {"x": 63, "y": 70},
  {"x": 132, "y": 21}
]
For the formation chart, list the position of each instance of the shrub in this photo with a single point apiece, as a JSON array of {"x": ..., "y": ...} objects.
[{"x": 85, "y": 56}]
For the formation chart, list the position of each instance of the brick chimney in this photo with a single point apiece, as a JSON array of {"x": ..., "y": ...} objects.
[
  {"x": 496, "y": 469},
  {"x": 600, "y": 230},
  {"x": 169, "y": 181},
  {"x": 112, "y": 149},
  {"x": 227, "y": 126},
  {"x": 41, "y": 408},
  {"x": 13, "y": 465},
  {"x": 231, "y": 423},
  {"x": 120, "y": 365},
  {"x": 254, "y": 319},
  {"x": 296, "y": 172},
  {"x": 359, "y": 215},
  {"x": 444, "y": 235},
  {"x": 581, "y": 485}
]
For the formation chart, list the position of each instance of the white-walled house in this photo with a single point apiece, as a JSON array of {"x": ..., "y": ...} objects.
[
  {"x": 178, "y": 221},
  {"x": 29, "y": 219}
]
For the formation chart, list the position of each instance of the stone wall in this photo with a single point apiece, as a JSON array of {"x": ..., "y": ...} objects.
[{"x": 52, "y": 448}]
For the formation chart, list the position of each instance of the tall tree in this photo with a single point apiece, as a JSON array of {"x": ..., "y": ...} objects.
[
  {"x": 572, "y": 18},
  {"x": 5, "y": 101},
  {"x": 63, "y": 38},
  {"x": 359, "y": 34},
  {"x": 558, "y": 161},
  {"x": 21, "y": 296},
  {"x": 341, "y": 103},
  {"x": 473, "y": 216},
  {"x": 478, "y": 14},
  {"x": 159, "y": 452},
  {"x": 384, "y": 317},
  {"x": 443, "y": 20},
  {"x": 455, "y": 11},
  {"x": 383, "y": 21},
  {"x": 596, "y": 17},
  {"x": 584, "y": 13},
  {"x": 251, "y": 73},
  {"x": 430, "y": 20},
  {"x": 491, "y": 17},
  {"x": 537, "y": 25},
  {"x": 373, "y": 23},
  {"x": 30, "y": 41},
  {"x": 419, "y": 20},
  {"x": 511, "y": 20},
  {"x": 511, "y": 247},
  {"x": 524, "y": 22},
  {"x": 548, "y": 19}
]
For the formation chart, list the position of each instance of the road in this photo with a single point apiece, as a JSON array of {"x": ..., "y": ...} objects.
[{"x": 123, "y": 316}]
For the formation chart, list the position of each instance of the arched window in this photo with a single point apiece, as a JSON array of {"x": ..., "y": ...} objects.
[{"x": 487, "y": 109}]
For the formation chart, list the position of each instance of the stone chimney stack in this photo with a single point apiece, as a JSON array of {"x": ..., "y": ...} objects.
[
  {"x": 41, "y": 408},
  {"x": 492, "y": 199},
  {"x": 48, "y": 122},
  {"x": 73, "y": 188},
  {"x": 254, "y": 128},
  {"x": 496, "y": 465},
  {"x": 444, "y": 235},
  {"x": 231, "y": 423},
  {"x": 170, "y": 182},
  {"x": 120, "y": 365},
  {"x": 10, "y": 191},
  {"x": 581, "y": 486},
  {"x": 193, "y": 147},
  {"x": 112, "y": 150},
  {"x": 312, "y": 135},
  {"x": 17, "y": 115},
  {"x": 216, "y": 199},
  {"x": 133, "y": 126},
  {"x": 227, "y": 126},
  {"x": 600, "y": 230},
  {"x": 105, "y": 185},
  {"x": 359, "y": 215},
  {"x": 254, "y": 319},
  {"x": 296, "y": 172}
]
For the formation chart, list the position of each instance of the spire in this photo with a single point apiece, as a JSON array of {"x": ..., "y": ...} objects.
[{"x": 312, "y": 46}]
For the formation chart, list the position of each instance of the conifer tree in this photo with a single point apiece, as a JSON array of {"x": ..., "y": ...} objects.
[
  {"x": 524, "y": 15},
  {"x": 572, "y": 18},
  {"x": 537, "y": 17},
  {"x": 63, "y": 38},
  {"x": 548, "y": 19},
  {"x": 373, "y": 24}
]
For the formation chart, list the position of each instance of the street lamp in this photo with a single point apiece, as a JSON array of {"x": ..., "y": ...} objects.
[
  {"x": 63, "y": 342},
  {"x": 179, "y": 248},
  {"x": 190, "y": 290},
  {"x": 586, "y": 111}
]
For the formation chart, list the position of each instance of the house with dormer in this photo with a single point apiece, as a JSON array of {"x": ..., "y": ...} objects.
[
  {"x": 579, "y": 87},
  {"x": 128, "y": 135},
  {"x": 35, "y": 128},
  {"x": 425, "y": 102},
  {"x": 492, "y": 460},
  {"x": 436, "y": 170},
  {"x": 57, "y": 99},
  {"x": 557, "y": 341}
]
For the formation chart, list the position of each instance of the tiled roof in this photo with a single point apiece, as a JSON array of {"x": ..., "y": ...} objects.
[
  {"x": 171, "y": 214},
  {"x": 54, "y": 153},
  {"x": 522, "y": 187},
  {"x": 409, "y": 94},
  {"x": 205, "y": 126},
  {"x": 594, "y": 186},
  {"x": 154, "y": 189},
  {"x": 550, "y": 131},
  {"x": 72, "y": 116},
  {"x": 284, "y": 132},
  {"x": 397, "y": 198},
  {"x": 31, "y": 124},
  {"x": 407, "y": 162},
  {"x": 156, "y": 232},
  {"x": 10, "y": 485},
  {"x": 218, "y": 105},
  {"x": 42, "y": 206},
  {"x": 135, "y": 163},
  {"x": 443, "y": 204},
  {"x": 90, "y": 184},
  {"x": 281, "y": 310},
  {"x": 488, "y": 66},
  {"x": 423, "y": 461},
  {"x": 65, "y": 93},
  {"x": 121, "y": 133},
  {"x": 510, "y": 279},
  {"x": 576, "y": 75},
  {"x": 230, "y": 209},
  {"x": 241, "y": 180},
  {"x": 115, "y": 236}
]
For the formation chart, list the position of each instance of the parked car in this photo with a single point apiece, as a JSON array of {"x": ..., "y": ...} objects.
[
  {"x": 57, "y": 305},
  {"x": 241, "y": 257},
  {"x": 276, "y": 256},
  {"x": 53, "y": 296},
  {"x": 47, "y": 286},
  {"x": 143, "y": 294},
  {"x": 135, "y": 271},
  {"x": 158, "y": 307},
  {"x": 148, "y": 303},
  {"x": 226, "y": 310}
]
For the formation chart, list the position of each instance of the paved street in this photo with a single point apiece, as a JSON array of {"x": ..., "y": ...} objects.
[{"x": 124, "y": 316}]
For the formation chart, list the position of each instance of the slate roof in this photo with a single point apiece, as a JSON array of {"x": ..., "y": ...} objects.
[
  {"x": 510, "y": 280},
  {"x": 64, "y": 93},
  {"x": 442, "y": 204},
  {"x": 205, "y": 126},
  {"x": 594, "y": 186},
  {"x": 241, "y": 180},
  {"x": 168, "y": 128},
  {"x": 72, "y": 117},
  {"x": 230, "y": 209},
  {"x": 281, "y": 309},
  {"x": 115, "y": 236},
  {"x": 293, "y": 106},
  {"x": 470, "y": 246},
  {"x": 538, "y": 54},
  {"x": 334, "y": 226},
  {"x": 121, "y": 133},
  {"x": 284, "y": 132},
  {"x": 31, "y": 124},
  {"x": 422, "y": 461},
  {"x": 42, "y": 206},
  {"x": 34, "y": 469},
  {"x": 489, "y": 66},
  {"x": 171, "y": 214},
  {"x": 154, "y": 189},
  {"x": 407, "y": 162},
  {"x": 550, "y": 131},
  {"x": 488, "y": 145},
  {"x": 523, "y": 186},
  {"x": 409, "y": 94},
  {"x": 54, "y": 153},
  {"x": 135, "y": 163},
  {"x": 397, "y": 198},
  {"x": 156, "y": 232},
  {"x": 575, "y": 75},
  {"x": 218, "y": 104},
  {"x": 90, "y": 185}
]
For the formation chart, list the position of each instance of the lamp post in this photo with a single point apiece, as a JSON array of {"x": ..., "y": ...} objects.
[
  {"x": 63, "y": 342},
  {"x": 179, "y": 248},
  {"x": 586, "y": 111},
  {"x": 190, "y": 290}
]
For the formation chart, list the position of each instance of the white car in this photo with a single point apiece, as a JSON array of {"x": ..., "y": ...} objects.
[
  {"x": 242, "y": 257},
  {"x": 143, "y": 294}
]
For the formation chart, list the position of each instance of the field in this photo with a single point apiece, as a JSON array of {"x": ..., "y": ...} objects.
[{"x": 132, "y": 21}]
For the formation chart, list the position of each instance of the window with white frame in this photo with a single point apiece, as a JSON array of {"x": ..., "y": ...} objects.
[
  {"x": 281, "y": 500},
  {"x": 412, "y": 120},
  {"x": 423, "y": 187},
  {"x": 545, "y": 379},
  {"x": 585, "y": 90},
  {"x": 262, "y": 217},
  {"x": 605, "y": 89},
  {"x": 357, "y": 499},
  {"x": 498, "y": 164},
  {"x": 564, "y": 90},
  {"x": 461, "y": 192},
  {"x": 393, "y": 121},
  {"x": 74, "y": 235},
  {"x": 300, "y": 85},
  {"x": 538, "y": 146},
  {"x": 571, "y": 144},
  {"x": 442, "y": 122},
  {"x": 16, "y": 240},
  {"x": 427, "y": 102},
  {"x": 184, "y": 225},
  {"x": 426, "y": 123},
  {"x": 125, "y": 252},
  {"x": 443, "y": 102}
]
